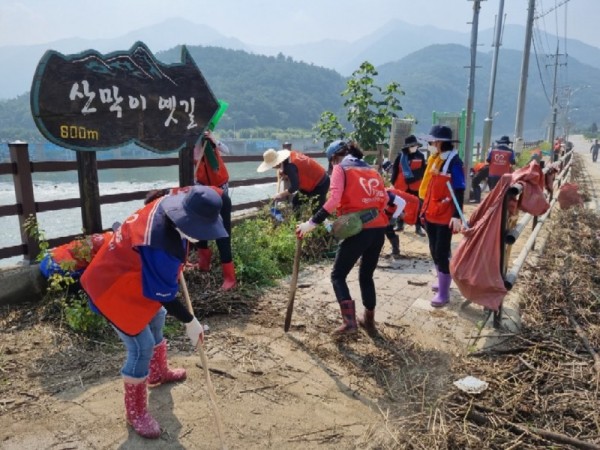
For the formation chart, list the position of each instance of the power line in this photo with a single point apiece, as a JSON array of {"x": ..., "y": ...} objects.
[
  {"x": 537, "y": 60},
  {"x": 563, "y": 2}
]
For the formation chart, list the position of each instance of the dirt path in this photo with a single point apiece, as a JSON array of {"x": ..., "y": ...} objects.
[{"x": 302, "y": 389}]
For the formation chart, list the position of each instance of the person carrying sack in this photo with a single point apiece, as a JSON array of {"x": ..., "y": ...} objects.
[
  {"x": 304, "y": 174},
  {"x": 407, "y": 173},
  {"x": 355, "y": 188},
  {"x": 133, "y": 282},
  {"x": 441, "y": 217}
]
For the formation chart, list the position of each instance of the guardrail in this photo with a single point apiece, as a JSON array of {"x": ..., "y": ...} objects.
[
  {"x": 21, "y": 169},
  {"x": 511, "y": 230}
]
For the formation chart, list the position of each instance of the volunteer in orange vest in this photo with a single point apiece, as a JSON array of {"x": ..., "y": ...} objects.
[
  {"x": 479, "y": 174},
  {"x": 407, "y": 172},
  {"x": 305, "y": 175},
  {"x": 132, "y": 282},
  {"x": 441, "y": 217},
  {"x": 213, "y": 172},
  {"x": 556, "y": 149},
  {"x": 72, "y": 258},
  {"x": 501, "y": 160},
  {"x": 395, "y": 211},
  {"x": 355, "y": 187}
]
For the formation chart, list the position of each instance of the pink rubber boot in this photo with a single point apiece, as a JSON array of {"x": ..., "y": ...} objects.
[
  {"x": 159, "y": 369},
  {"x": 136, "y": 408}
]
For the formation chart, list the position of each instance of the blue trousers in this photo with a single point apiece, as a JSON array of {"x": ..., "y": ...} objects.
[{"x": 141, "y": 346}]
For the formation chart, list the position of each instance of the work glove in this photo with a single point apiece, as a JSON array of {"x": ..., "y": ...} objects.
[
  {"x": 305, "y": 227},
  {"x": 195, "y": 331}
]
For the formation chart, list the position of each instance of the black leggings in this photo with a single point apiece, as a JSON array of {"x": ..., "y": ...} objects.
[
  {"x": 440, "y": 239},
  {"x": 366, "y": 244},
  {"x": 223, "y": 244}
]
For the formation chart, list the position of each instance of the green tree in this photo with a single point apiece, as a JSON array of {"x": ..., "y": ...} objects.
[{"x": 369, "y": 109}]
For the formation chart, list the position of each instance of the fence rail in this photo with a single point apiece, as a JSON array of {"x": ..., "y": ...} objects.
[
  {"x": 512, "y": 229},
  {"x": 21, "y": 168}
]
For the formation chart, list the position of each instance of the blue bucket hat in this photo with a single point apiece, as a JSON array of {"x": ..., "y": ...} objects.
[
  {"x": 439, "y": 133},
  {"x": 196, "y": 213},
  {"x": 334, "y": 147}
]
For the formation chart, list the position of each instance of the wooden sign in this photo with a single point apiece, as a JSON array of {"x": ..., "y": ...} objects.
[{"x": 90, "y": 101}]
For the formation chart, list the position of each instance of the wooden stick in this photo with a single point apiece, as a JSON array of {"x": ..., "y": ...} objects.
[
  {"x": 278, "y": 181},
  {"x": 293, "y": 284},
  {"x": 209, "y": 386},
  {"x": 584, "y": 339}
]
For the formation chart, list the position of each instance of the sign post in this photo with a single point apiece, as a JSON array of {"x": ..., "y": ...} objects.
[{"x": 91, "y": 102}]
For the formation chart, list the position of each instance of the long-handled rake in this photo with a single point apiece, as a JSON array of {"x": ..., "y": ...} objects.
[{"x": 209, "y": 386}]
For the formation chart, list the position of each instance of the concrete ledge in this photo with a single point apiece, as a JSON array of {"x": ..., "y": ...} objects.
[{"x": 21, "y": 284}]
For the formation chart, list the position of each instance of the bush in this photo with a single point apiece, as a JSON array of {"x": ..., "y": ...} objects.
[
  {"x": 79, "y": 317},
  {"x": 264, "y": 249}
]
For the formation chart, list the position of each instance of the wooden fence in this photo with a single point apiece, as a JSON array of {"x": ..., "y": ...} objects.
[{"x": 21, "y": 168}]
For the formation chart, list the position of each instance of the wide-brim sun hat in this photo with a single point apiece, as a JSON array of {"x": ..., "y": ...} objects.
[
  {"x": 272, "y": 158},
  {"x": 411, "y": 141},
  {"x": 440, "y": 133},
  {"x": 505, "y": 140},
  {"x": 197, "y": 213}
]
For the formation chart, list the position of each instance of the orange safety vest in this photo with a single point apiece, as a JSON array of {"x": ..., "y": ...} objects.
[
  {"x": 81, "y": 252},
  {"x": 364, "y": 189},
  {"x": 401, "y": 181},
  {"x": 499, "y": 162},
  {"x": 310, "y": 172},
  {"x": 113, "y": 280},
  {"x": 477, "y": 167},
  {"x": 207, "y": 176},
  {"x": 438, "y": 206},
  {"x": 186, "y": 189},
  {"x": 411, "y": 210}
]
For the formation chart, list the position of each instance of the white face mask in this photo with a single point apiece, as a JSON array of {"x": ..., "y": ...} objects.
[
  {"x": 185, "y": 236},
  {"x": 413, "y": 149},
  {"x": 433, "y": 149}
]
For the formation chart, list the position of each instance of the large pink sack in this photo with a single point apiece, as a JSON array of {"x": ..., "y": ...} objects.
[{"x": 475, "y": 266}]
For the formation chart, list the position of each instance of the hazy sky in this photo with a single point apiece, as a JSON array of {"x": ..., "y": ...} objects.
[{"x": 272, "y": 22}]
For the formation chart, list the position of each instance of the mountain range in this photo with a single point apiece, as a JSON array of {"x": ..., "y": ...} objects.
[
  {"x": 429, "y": 63},
  {"x": 390, "y": 43}
]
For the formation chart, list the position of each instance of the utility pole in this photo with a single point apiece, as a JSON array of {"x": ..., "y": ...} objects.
[
  {"x": 471, "y": 93},
  {"x": 552, "y": 130},
  {"x": 523, "y": 83},
  {"x": 488, "y": 121}
]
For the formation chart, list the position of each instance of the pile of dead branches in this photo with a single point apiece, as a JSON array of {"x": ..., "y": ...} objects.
[{"x": 544, "y": 386}]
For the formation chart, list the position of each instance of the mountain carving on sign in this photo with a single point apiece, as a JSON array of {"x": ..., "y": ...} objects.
[{"x": 90, "y": 101}]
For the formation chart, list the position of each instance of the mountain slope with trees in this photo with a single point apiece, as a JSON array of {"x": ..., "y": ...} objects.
[
  {"x": 279, "y": 92},
  {"x": 273, "y": 91},
  {"x": 435, "y": 79}
]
